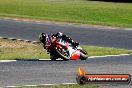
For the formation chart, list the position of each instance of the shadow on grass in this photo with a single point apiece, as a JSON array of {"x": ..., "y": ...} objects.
[{"x": 120, "y": 1}]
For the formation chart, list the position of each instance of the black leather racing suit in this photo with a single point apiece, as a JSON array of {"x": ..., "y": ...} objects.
[{"x": 66, "y": 38}]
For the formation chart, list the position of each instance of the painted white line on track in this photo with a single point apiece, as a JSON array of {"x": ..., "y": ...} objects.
[
  {"x": 11, "y": 38},
  {"x": 96, "y": 56},
  {"x": 48, "y": 84},
  {"x": 8, "y": 60},
  {"x": 39, "y": 85},
  {"x": 10, "y": 87},
  {"x": 19, "y": 39},
  {"x": 30, "y": 85},
  {"x": 109, "y": 56},
  {"x": 60, "y": 59},
  {"x": 124, "y": 54},
  {"x": 44, "y": 59},
  {"x": 27, "y": 40},
  {"x": 48, "y": 59}
]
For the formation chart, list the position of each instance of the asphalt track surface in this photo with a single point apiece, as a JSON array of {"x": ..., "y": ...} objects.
[
  {"x": 42, "y": 72},
  {"x": 106, "y": 37}
]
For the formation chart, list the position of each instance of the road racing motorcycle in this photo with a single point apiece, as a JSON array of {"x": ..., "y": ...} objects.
[{"x": 66, "y": 51}]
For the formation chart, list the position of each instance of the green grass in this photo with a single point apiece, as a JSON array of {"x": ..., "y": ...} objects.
[
  {"x": 74, "y": 11},
  {"x": 67, "y": 86},
  {"x": 22, "y": 50},
  {"x": 101, "y": 51}
]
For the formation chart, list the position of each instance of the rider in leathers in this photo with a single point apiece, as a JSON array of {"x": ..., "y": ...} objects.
[{"x": 50, "y": 39}]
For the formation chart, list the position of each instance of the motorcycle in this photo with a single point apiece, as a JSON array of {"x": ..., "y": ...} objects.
[{"x": 66, "y": 51}]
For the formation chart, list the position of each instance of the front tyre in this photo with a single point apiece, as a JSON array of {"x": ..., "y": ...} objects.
[
  {"x": 62, "y": 53},
  {"x": 83, "y": 54}
]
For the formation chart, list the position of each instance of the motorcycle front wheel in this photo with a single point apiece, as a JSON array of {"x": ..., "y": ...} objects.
[
  {"x": 62, "y": 53},
  {"x": 83, "y": 54}
]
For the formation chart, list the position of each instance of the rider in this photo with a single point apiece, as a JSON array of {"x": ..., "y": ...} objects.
[{"x": 49, "y": 39}]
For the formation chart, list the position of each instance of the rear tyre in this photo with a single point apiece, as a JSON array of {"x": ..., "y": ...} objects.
[
  {"x": 53, "y": 57},
  {"x": 83, "y": 54},
  {"x": 61, "y": 54}
]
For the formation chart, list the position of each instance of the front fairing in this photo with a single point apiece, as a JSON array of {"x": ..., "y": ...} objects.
[{"x": 74, "y": 52}]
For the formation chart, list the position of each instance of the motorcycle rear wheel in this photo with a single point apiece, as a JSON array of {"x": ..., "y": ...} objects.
[{"x": 53, "y": 58}]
